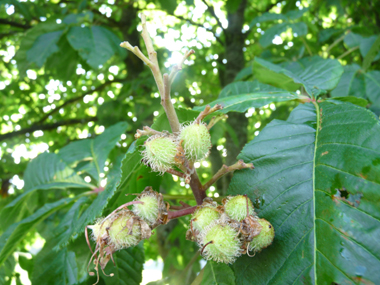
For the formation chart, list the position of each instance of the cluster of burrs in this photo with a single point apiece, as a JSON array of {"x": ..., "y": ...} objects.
[
  {"x": 124, "y": 228},
  {"x": 224, "y": 232},
  {"x": 163, "y": 150}
]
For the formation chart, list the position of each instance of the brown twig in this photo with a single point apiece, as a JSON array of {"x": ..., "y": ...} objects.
[
  {"x": 177, "y": 173},
  {"x": 180, "y": 213},
  {"x": 207, "y": 111},
  {"x": 166, "y": 102},
  {"x": 226, "y": 169},
  {"x": 216, "y": 119},
  {"x": 146, "y": 131},
  {"x": 212, "y": 12}
]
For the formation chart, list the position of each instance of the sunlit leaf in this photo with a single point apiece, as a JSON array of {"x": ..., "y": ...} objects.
[
  {"x": 318, "y": 182},
  {"x": 217, "y": 274}
]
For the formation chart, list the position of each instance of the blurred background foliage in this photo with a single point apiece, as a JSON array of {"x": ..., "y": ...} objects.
[{"x": 64, "y": 78}]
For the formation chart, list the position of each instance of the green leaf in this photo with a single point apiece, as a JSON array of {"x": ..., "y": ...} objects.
[
  {"x": 218, "y": 274},
  {"x": 351, "y": 99},
  {"x": 372, "y": 87},
  {"x": 66, "y": 227},
  {"x": 97, "y": 206},
  {"x": 371, "y": 54},
  {"x": 45, "y": 172},
  {"x": 267, "y": 39},
  {"x": 94, "y": 150},
  {"x": 314, "y": 73},
  {"x": 95, "y": 45},
  {"x": 54, "y": 267},
  {"x": 318, "y": 182},
  {"x": 240, "y": 96},
  {"x": 345, "y": 82},
  {"x": 17, "y": 231},
  {"x": 267, "y": 17},
  {"x": 78, "y": 18},
  {"x": 168, "y": 5},
  {"x": 28, "y": 41},
  {"x": 295, "y": 14},
  {"x": 128, "y": 266},
  {"x": 245, "y": 72},
  {"x": 299, "y": 28},
  {"x": 326, "y": 34},
  {"x": 43, "y": 47},
  {"x": 353, "y": 40}
]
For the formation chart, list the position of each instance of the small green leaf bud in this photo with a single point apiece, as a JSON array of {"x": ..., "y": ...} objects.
[
  {"x": 220, "y": 243},
  {"x": 238, "y": 207},
  {"x": 159, "y": 153},
  {"x": 196, "y": 141},
  {"x": 264, "y": 239}
]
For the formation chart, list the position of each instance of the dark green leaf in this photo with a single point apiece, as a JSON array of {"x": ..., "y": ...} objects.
[
  {"x": 365, "y": 46},
  {"x": 295, "y": 14},
  {"x": 17, "y": 231},
  {"x": 354, "y": 100},
  {"x": 267, "y": 17},
  {"x": 314, "y": 73},
  {"x": 54, "y": 267},
  {"x": 240, "y": 96},
  {"x": 353, "y": 40},
  {"x": 318, "y": 182},
  {"x": 245, "y": 72},
  {"x": 95, "y": 45},
  {"x": 95, "y": 150},
  {"x": 267, "y": 39},
  {"x": 345, "y": 82},
  {"x": 78, "y": 18},
  {"x": 97, "y": 206},
  {"x": 218, "y": 274},
  {"x": 372, "y": 87},
  {"x": 43, "y": 47},
  {"x": 168, "y": 5},
  {"x": 128, "y": 266},
  {"x": 45, "y": 172},
  {"x": 326, "y": 34},
  {"x": 371, "y": 54},
  {"x": 299, "y": 28},
  {"x": 29, "y": 40}
]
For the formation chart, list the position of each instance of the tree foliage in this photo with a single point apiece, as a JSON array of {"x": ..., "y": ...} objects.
[{"x": 299, "y": 81}]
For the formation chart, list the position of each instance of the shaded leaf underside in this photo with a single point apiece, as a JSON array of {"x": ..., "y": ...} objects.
[{"x": 317, "y": 180}]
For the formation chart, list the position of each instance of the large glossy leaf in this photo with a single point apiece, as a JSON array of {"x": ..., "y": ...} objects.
[
  {"x": 17, "y": 231},
  {"x": 240, "y": 96},
  {"x": 54, "y": 267},
  {"x": 94, "y": 150},
  {"x": 45, "y": 172},
  {"x": 353, "y": 40},
  {"x": 128, "y": 266},
  {"x": 318, "y": 182},
  {"x": 95, "y": 45},
  {"x": 314, "y": 73},
  {"x": 217, "y": 274}
]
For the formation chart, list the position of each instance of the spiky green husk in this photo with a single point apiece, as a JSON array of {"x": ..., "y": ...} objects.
[
  {"x": 196, "y": 141},
  {"x": 264, "y": 239},
  {"x": 159, "y": 153},
  {"x": 147, "y": 211},
  {"x": 120, "y": 234},
  {"x": 225, "y": 246},
  {"x": 99, "y": 228},
  {"x": 236, "y": 207},
  {"x": 204, "y": 216}
]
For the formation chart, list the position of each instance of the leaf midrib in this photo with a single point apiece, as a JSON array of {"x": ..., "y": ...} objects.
[{"x": 314, "y": 215}]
